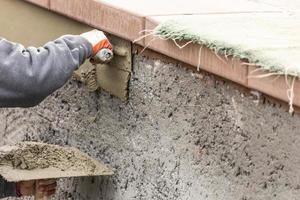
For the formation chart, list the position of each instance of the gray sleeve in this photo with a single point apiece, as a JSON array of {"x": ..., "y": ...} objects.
[
  {"x": 7, "y": 189},
  {"x": 29, "y": 75}
]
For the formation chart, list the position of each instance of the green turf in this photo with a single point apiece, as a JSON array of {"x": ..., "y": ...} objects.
[{"x": 270, "y": 40}]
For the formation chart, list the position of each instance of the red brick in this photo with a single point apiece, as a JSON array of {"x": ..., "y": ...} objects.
[
  {"x": 76, "y": 9},
  {"x": 102, "y": 16}
]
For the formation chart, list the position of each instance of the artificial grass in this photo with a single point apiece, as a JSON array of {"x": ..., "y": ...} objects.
[{"x": 268, "y": 40}]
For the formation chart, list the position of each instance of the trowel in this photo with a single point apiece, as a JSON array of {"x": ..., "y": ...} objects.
[{"x": 32, "y": 161}]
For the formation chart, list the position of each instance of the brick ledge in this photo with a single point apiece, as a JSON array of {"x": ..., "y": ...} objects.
[{"x": 127, "y": 25}]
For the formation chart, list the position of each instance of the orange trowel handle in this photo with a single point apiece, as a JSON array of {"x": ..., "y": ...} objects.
[{"x": 39, "y": 195}]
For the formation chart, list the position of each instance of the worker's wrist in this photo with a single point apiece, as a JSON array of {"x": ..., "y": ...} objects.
[{"x": 98, "y": 40}]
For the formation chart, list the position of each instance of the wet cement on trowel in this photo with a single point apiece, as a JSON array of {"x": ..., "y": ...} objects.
[{"x": 32, "y": 160}]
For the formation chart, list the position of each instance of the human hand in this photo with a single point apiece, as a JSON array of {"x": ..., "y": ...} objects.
[
  {"x": 43, "y": 187},
  {"x": 102, "y": 49}
]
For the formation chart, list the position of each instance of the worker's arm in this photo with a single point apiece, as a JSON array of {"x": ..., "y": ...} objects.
[{"x": 28, "y": 75}]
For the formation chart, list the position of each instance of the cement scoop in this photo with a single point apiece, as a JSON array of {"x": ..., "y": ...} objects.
[{"x": 35, "y": 161}]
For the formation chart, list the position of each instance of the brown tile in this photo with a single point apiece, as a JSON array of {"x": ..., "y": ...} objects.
[
  {"x": 43, "y": 3},
  {"x": 116, "y": 21},
  {"x": 76, "y": 9},
  {"x": 105, "y": 17},
  {"x": 275, "y": 85},
  {"x": 209, "y": 61}
]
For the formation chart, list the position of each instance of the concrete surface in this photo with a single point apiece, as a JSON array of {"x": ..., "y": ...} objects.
[
  {"x": 189, "y": 7},
  {"x": 181, "y": 136},
  {"x": 291, "y": 6}
]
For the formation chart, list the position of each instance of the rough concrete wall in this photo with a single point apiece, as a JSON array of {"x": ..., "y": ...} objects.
[{"x": 180, "y": 136}]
